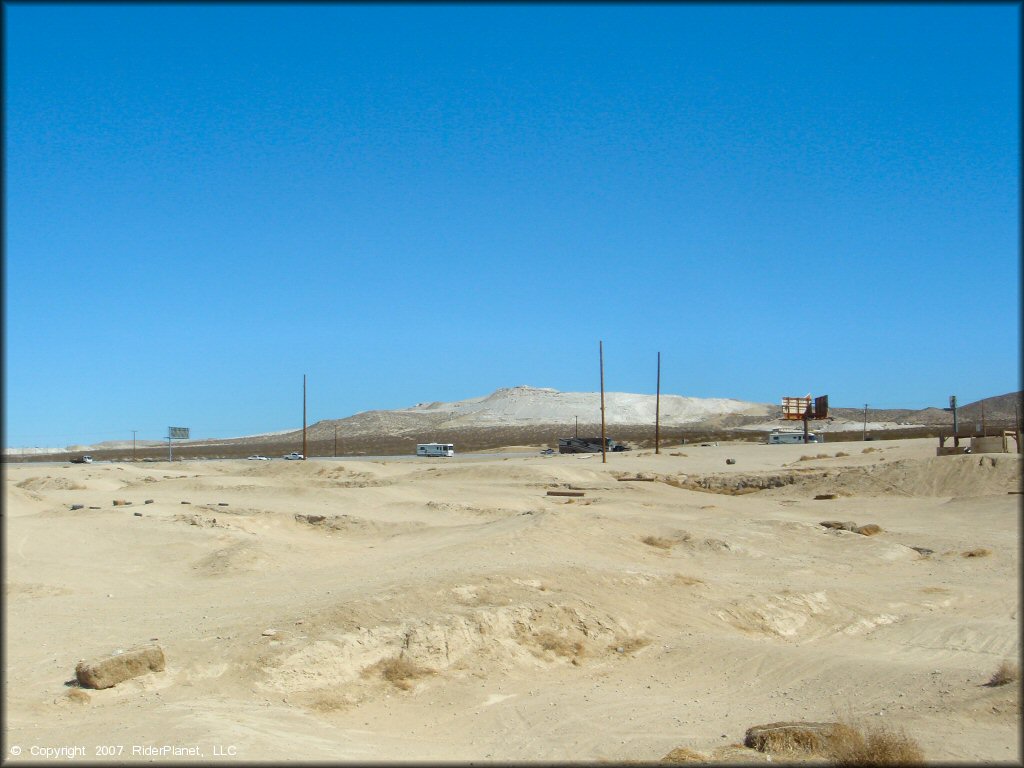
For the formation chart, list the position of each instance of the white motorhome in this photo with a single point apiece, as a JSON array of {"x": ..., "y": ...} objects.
[
  {"x": 793, "y": 436},
  {"x": 435, "y": 449}
]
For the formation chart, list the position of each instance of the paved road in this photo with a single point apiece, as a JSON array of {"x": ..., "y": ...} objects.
[{"x": 403, "y": 457}]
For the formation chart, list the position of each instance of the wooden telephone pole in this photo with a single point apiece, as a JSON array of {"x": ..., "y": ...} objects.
[
  {"x": 604, "y": 445},
  {"x": 303, "y": 416},
  {"x": 657, "y": 411}
]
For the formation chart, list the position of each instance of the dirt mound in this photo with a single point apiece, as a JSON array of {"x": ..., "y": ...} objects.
[
  {"x": 353, "y": 524},
  {"x": 796, "y": 615},
  {"x": 241, "y": 557},
  {"x": 349, "y": 666},
  {"x": 935, "y": 476},
  {"x": 50, "y": 484}
]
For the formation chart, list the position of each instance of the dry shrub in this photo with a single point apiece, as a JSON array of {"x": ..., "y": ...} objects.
[
  {"x": 658, "y": 541},
  {"x": 868, "y": 530},
  {"x": 560, "y": 646},
  {"x": 977, "y": 552},
  {"x": 684, "y": 755},
  {"x": 878, "y": 745},
  {"x": 841, "y": 454},
  {"x": 399, "y": 671},
  {"x": 1007, "y": 672},
  {"x": 326, "y": 701},
  {"x": 869, "y": 450}
]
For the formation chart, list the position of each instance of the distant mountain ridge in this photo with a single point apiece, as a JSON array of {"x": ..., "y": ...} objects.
[{"x": 525, "y": 407}]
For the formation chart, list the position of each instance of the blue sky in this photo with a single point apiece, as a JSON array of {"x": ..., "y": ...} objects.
[{"x": 411, "y": 203}]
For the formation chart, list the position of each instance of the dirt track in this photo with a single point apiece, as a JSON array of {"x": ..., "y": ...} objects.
[{"x": 452, "y": 610}]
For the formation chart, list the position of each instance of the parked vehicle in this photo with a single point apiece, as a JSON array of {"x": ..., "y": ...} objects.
[
  {"x": 588, "y": 445},
  {"x": 435, "y": 449},
  {"x": 82, "y": 460},
  {"x": 257, "y": 457},
  {"x": 777, "y": 436},
  {"x": 294, "y": 456}
]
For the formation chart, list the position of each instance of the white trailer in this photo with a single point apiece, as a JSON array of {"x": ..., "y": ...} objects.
[
  {"x": 793, "y": 436},
  {"x": 435, "y": 449}
]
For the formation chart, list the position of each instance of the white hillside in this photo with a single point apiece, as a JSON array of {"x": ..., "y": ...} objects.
[{"x": 525, "y": 405}]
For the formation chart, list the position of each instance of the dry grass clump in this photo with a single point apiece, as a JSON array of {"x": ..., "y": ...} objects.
[
  {"x": 839, "y": 743},
  {"x": 1007, "y": 672},
  {"x": 977, "y": 552},
  {"x": 684, "y": 755},
  {"x": 812, "y": 458},
  {"x": 399, "y": 671},
  {"x": 560, "y": 646},
  {"x": 840, "y": 454},
  {"x": 878, "y": 745},
  {"x": 868, "y": 530}
]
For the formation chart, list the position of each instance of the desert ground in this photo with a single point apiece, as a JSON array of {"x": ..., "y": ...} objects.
[{"x": 451, "y": 610}]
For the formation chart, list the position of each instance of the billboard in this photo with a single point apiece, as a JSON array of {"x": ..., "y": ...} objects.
[
  {"x": 795, "y": 407},
  {"x": 821, "y": 407},
  {"x": 177, "y": 433}
]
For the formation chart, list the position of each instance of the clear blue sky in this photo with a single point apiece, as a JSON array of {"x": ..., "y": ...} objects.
[{"x": 413, "y": 203}]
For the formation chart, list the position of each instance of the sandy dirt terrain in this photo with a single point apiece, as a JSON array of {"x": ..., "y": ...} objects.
[{"x": 452, "y": 610}]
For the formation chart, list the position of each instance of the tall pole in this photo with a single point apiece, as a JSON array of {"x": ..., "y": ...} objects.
[
  {"x": 1016, "y": 422},
  {"x": 604, "y": 446},
  {"x": 335, "y": 441},
  {"x": 303, "y": 415},
  {"x": 984, "y": 427},
  {"x": 956, "y": 431},
  {"x": 657, "y": 411},
  {"x": 865, "y": 421},
  {"x": 133, "y": 443},
  {"x": 577, "y": 426}
]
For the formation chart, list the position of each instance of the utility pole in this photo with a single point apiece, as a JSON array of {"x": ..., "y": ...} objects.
[
  {"x": 657, "y": 411},
  {"x": 133, "y": 443},
  {"x": 604, "y": 446},
  {"x": 335, "y": 441},
  {"x": 984, "y": 427},
  {"x": 303, "y": 416},
  {"x": 956, "y": 431},
  {"x": 577, "y": 426},
  {"x": 865, "y": 421}
]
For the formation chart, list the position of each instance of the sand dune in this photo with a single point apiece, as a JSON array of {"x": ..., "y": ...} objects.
[{"x": 452, "y": 610}]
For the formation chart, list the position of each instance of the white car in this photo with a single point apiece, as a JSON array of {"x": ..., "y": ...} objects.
[
  {"x": 294, "y": 456},
  {"x": 258, "y": 458}
]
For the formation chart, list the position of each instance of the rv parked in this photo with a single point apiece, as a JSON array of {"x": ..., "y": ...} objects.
[
  {"x": 435, "y": 449},
  {"x": 793, "y": 436}
]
